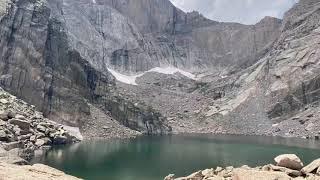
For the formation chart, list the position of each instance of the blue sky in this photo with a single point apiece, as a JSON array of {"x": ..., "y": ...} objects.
[{"x": 242, "y": 11}]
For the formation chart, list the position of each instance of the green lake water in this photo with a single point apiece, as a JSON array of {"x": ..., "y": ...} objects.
[{"x": 152, "y": 158}]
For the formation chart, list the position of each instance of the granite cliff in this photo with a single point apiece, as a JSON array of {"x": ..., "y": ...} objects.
[{"x": 68, "y": 57}]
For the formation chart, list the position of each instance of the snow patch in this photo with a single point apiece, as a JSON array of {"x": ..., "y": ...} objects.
[
  {"x": 167, "y": 70},
  {"x": 94, "y": 1},
  {"x": 124, "y": 78}
]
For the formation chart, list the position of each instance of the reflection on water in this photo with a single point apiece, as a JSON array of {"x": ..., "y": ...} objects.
[{"x": 152, "y": 158}]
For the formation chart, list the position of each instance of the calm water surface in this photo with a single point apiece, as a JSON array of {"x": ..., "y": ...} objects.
[{"x": 152, "y": 158}]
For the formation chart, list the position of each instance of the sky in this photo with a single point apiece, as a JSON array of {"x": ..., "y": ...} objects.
[{"x": 242, "y": 11}]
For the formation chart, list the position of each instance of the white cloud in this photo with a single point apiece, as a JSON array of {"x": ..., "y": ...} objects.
[{"x": 242, "y": 11}]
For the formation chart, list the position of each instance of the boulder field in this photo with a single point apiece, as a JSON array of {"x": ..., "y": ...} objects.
[{"x": 23, "y": 131}]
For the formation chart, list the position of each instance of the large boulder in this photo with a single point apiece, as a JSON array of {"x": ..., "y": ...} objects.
[
  {"x": 12, "y": 145},
  {"x": 312, "y": 167},
  {"x": 3, "y": 136},
  {"x": 60, "y": 139},
  {"x": 24, "y": 125},
  {"x": 37, "y": 171},
  {"x": 290, "y": 161},
  {"x": 40, "y": 142},
  {"x": 290, "y": 172},
  {"x": 4, "y": 115},
  {"x": 19, "y": 116},
  {"x": 13, "y": 159},
  {"x": 242, "y": 174}
]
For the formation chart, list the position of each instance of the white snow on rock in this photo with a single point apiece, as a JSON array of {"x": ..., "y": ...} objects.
[
  {"x": 124, "y": 78},
  {"x": 94, "y": 1},
  {"x": 127, "y": 79}
]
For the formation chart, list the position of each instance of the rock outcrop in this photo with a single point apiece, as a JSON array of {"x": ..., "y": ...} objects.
[
  {"x": 291, "y": 161},
  {"x": 266, "y": 172},
  {"x": 51, "y": 56},
  {"x": 23, "y": 130},
  {"x": 36, "y": 171}
]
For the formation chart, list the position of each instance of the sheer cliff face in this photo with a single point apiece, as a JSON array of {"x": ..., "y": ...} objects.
[
  {"x": 46, "y": 59},
  {"x": 294, "y": 60},
  {"x": 282, "y": 88},
  {"x": 56, "y": 54},
  {"x": 133, "y": 36}
]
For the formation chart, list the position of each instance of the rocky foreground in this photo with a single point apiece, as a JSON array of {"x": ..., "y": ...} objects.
[
  {"x": 37, "y": 171},
  {"x": 24, "y": 132},
  {"x": 287, "y": 167}
]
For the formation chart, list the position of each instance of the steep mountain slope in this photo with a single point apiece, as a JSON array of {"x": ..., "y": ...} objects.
[
  {"x": 279, "y": 95},
  {"x": 58, "y": 55},
  {"x": 132, "y": 36},
  {"x": 41, "y": 64}
]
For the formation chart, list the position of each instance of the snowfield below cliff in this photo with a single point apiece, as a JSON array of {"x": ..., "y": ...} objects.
[{"x": 127, "y": 79}]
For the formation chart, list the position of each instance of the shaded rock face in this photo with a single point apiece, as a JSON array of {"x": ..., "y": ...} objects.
[
  {"x": 190, "y": 41},
  {"x": 56, "y": 54},
  {"x": 132, "y": 36},
  {"x": 45, "y": 62}
]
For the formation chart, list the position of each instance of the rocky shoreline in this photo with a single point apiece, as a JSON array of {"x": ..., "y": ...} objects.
[
  {"x": 286, "y": 167},
  {"x": 24, "y": 131}
]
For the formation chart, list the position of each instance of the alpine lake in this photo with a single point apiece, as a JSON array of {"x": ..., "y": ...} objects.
[{"x": 153, "y": 158}]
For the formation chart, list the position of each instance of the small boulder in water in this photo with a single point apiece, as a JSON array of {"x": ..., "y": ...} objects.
[{"x": 291, "y": 161}]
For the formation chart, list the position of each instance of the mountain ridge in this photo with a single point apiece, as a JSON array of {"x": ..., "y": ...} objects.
[{"x": 57, "y": 55}]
